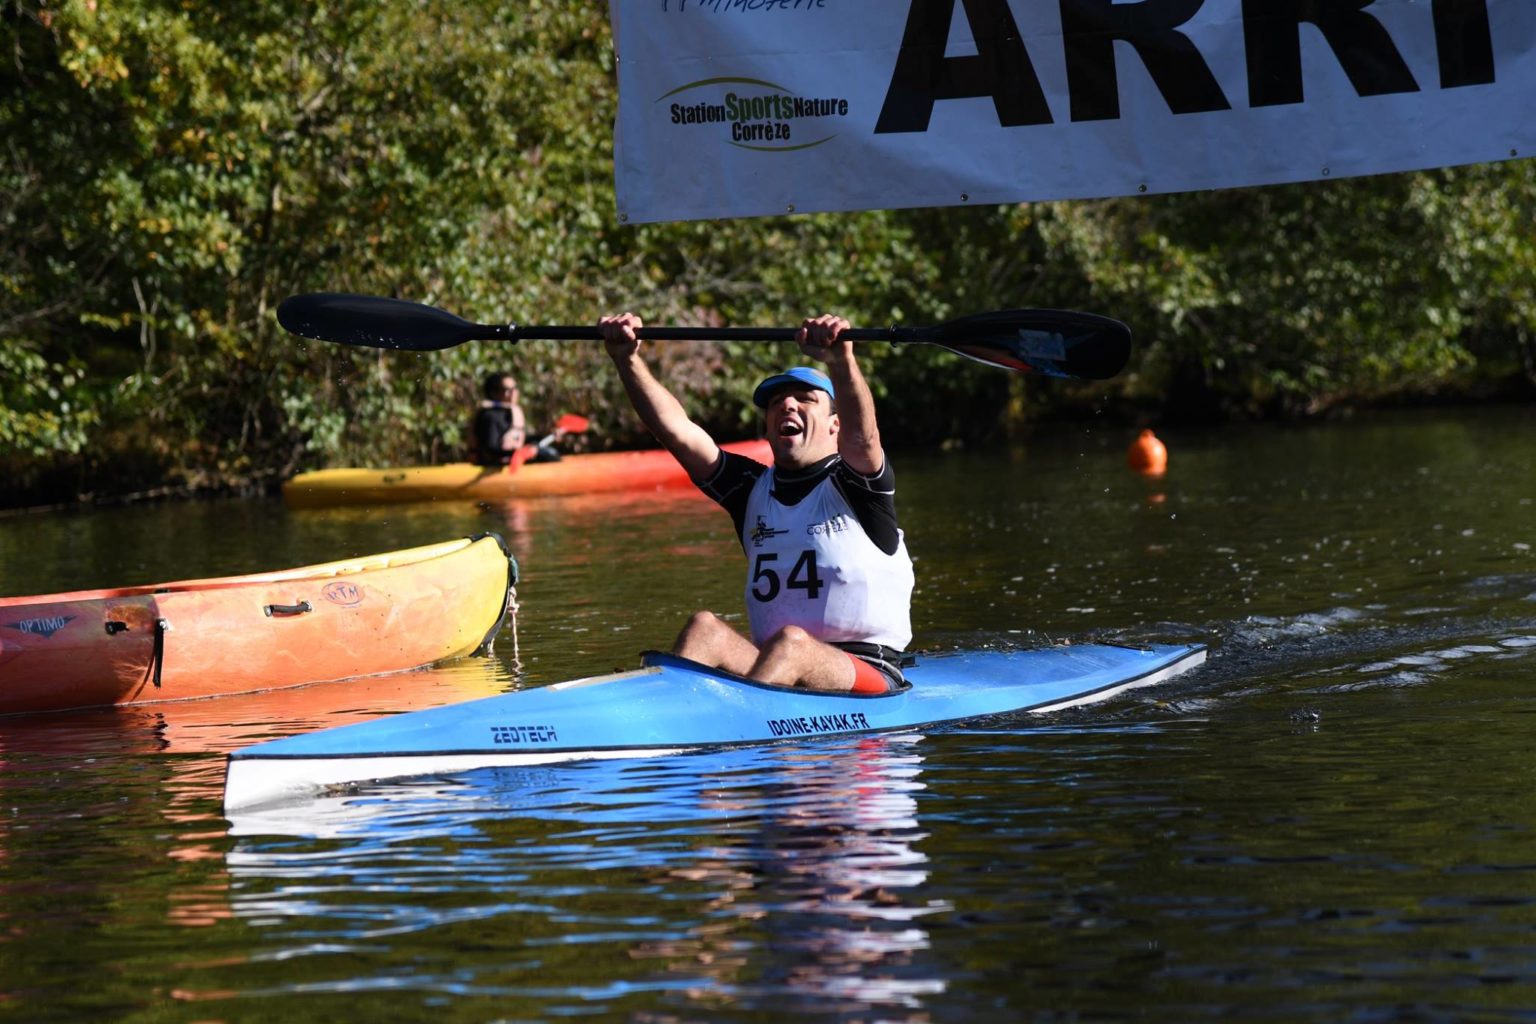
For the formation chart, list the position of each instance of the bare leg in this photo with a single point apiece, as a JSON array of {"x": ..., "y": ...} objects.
[
  {"x": 792, "y": 657},
  {"x": 709, "y": 640}
]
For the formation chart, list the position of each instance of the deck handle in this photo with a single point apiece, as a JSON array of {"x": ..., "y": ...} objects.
[
  {"x": 162, "y": 626},
  {"x": 288, "y": 609},
  {"x": 157, "y": 654}
]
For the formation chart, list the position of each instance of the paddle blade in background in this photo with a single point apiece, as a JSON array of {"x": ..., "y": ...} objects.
[
  {"x": 380, "y": 323},
  {"x": 571, "y": 423},
  {"x": 1055, "y": 342}
]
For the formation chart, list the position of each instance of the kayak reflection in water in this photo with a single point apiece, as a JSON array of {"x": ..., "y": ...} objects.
[
  {"x": 829, "y": 581},
  {"x": 500, "y": 428}
]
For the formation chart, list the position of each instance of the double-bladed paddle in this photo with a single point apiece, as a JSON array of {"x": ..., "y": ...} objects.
[{"x": 1059, "y": 343}]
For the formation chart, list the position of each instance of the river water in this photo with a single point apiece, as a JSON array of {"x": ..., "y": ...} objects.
[{"x": 1330, "y": 821}]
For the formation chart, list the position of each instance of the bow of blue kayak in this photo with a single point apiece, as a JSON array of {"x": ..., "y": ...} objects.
[{"x": 672, "y": 704}]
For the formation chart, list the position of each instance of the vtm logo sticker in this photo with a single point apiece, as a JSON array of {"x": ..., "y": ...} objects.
[
  {"x": 345, "y": 594},
  {"x": 757, "y": 114}
]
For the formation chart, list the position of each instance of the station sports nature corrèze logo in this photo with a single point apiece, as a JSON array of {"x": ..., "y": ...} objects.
[{"x": 755, "y": 114}]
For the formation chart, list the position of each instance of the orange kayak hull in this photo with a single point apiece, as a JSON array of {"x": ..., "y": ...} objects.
[
  {"x": 238, "y": 634},
  {"x": 462, "y": 481}
]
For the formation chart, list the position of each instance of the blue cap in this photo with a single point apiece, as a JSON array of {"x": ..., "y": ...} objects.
[{"x": 801, "y": 375}]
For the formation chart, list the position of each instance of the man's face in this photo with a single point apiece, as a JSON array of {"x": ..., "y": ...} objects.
[{"x": 802, "y": 428}]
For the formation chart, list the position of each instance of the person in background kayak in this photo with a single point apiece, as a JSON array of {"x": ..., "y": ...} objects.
[
  {"x": 499, "y": 428},
  {"x": 829, "y": 581}
]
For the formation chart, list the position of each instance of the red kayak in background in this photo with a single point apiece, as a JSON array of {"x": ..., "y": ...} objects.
[{"x": 462, "y": 481}]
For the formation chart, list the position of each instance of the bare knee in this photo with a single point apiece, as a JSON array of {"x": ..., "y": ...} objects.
[
  {"x": 710, "y": 640},
  {"x": 790, "y": 638},
  {"x": 792, "y": 657},
  {"x": 702, "y": 625}
]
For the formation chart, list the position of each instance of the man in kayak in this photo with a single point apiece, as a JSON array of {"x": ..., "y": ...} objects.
[
  {"x": 829, "y": 581},
  {"x": 500, "y": 428}
]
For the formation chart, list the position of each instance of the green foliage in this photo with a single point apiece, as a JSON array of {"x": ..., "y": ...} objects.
[
  {"x": 1487, "y": 254},
  {"x": 1277, "y": 300},
  {"x": 44, "y": 408},
  {"x": 173, "y": 168}
]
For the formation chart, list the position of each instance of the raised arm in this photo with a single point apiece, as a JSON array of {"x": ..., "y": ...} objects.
[
  {"x": 657, "y": 407},
  {"x": 858, "y": 435}
]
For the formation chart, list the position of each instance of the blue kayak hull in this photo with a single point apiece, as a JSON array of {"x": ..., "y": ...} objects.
[{"x": 672, "y": 705}]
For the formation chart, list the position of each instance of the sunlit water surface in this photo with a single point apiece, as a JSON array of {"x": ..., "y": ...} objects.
[{"x": 1331, "y": 821}]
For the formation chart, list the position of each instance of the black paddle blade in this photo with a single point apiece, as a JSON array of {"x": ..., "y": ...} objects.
[
  {"x": 1055, "y": 342},
  {"x": 379, "y": 323}
]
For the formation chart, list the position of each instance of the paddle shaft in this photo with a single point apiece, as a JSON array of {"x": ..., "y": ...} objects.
[{"x": 563, "y": 332}]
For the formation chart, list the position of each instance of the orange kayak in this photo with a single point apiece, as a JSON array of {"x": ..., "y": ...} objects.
[
  {"x": 238, "y": 634},
  {"x": 463, "y": 481}
]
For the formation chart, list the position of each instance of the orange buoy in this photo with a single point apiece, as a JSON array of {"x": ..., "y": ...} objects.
[{"x": 1147, "y": 455}]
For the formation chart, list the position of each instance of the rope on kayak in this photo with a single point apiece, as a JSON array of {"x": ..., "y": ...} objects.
[{"x": 508, "y": 616}]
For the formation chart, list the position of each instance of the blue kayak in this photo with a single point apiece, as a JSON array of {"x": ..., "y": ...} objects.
[{"x": 672, "y": 705}]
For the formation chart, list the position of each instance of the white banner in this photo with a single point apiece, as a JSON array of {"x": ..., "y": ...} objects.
[{"x": 739, "y": 108}]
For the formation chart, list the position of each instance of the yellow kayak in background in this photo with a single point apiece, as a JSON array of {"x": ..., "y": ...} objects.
[{"x": 462, "y": 481}]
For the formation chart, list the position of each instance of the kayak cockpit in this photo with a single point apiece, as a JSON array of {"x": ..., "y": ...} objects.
[{"x": 665, "y": 660}]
